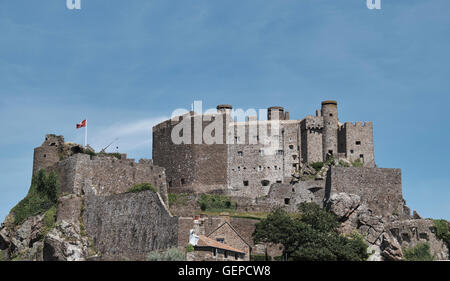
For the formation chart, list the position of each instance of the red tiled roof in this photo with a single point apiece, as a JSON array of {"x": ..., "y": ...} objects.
[{"x": 204, "y": 241}]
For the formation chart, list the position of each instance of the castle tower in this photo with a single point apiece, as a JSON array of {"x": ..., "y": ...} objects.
[
  {"x": 329, "y": 113},
  {"x": 275, "y": 113},
  {"x": 48, "y": 153}
]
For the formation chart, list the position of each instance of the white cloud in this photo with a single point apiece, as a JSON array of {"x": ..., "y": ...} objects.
[{"x": 132, "y": 137}]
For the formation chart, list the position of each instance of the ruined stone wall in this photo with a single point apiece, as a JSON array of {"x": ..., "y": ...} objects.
[
  {"x": 358, "y": 142},
  {"x": 48, "y": 153},
  {"x": 129, "y": 226},
  {"x": 107, "y": 175},
  {"x": 380, "y": 188}
]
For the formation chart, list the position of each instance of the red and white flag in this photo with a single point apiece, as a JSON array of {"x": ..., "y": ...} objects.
[{"x": 82, "y": 124}]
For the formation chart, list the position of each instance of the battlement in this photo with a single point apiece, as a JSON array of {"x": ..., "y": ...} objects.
[{"x": 359, "y": 124}]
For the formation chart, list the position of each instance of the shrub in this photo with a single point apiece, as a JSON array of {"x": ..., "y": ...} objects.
[
  {"x": 177, "y": 198},
  {"x": 172, "y": 254},
  {"x": 421, "y": 252},
  {"x": 42, "y": 196},
  {"x": 357, "y": 163},
  {"x": 317, "y": 166},
  {"x": 189, "y": 248},
  {"x": 443, "y": 231},
  {"x": 142, "y": 187},
  {"x": 216, "y": 202},
  {"x": 49, "y": 221}
]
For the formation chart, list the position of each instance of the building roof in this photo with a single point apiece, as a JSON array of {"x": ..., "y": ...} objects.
[
  {"x": 232, "y": 228},
  {"x": 204, "y": 241}
]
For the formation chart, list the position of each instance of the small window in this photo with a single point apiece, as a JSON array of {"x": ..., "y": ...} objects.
[
  {"x": 45, "y": 155},
  {"x": 225, "y": 254},
  {"x": 239, "y": 168},
  {"x": 261, "y": 152},
  {"x": 287, "y": 201},
  {"x": 361, "y": 156},
  {"x": 183, "y": 181},
  {"x": 245, "y": 183},
  {"x": 358, "y": 142},
  {"x": 294, "y": 157},
  {"x": 275, "y": 167},
  {"x": 260, "y": 168},
  {"x": 330, "y": 152},
  {"x": 331, "y": 114},
  {"x": 279, "y": 181},
  {"x": 280, "y": 152},
  {"x": 351, "y": 151},
  {"x": 236, "y": 257},
  {"x": 220, "y": 240},
  {"x": 291, "y": 146},
  {"x": 170, "y": 183},
  {"x": 214, "y": 251},
  {"x": 240, "y": 153},
  {"x": 265, "y": 182}
]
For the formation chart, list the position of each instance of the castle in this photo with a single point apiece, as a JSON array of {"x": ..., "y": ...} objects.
[
  {"x": 261, "y": 153},
  {"x": 261, "y": 165}
]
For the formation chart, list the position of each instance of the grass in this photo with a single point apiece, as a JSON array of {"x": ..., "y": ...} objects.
[
  {"x": 234, "y": 214},
  {"x": 48, "y": 222},
  {"x": 42, "y": 196},
  {"x": 357, "y": 163},
  {"x": 142, "y": 187},
  {"x": 178, "y": 198},
  {"x": 213, "y": 202}
]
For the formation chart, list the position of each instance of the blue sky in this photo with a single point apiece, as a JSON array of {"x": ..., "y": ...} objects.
[{"x": 125, "y": 65}]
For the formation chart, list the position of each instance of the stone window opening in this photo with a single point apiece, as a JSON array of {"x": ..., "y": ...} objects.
[
  {"x": 245, "y": 183},
  {"x": 183, "y": 181},
  {"x": 279, "y": 181},
  {"x": 239, "y": 168},
  {"x": 331, "y": 114},
  {"x": 361, "y": 156},
  {"x": 291, "y": 146},
  {"x": 351, "y": 151},
  {"x": 220, "y": 240},
  {"x": 214, "y": 252},
  {"x": 225, "y": 254},
  {"x": 45, "y": 155},
  {"x": 275, "y": 167},
  {"x": 240, "y": 153},
  {"x": 236, "y": 256},
  {"x": 294, "y": 157},
  {"x": 287, "y": 201},
  {"x": 293, "y": 189},
  {"x": 261, "y": 152},
  {"x": 358, "y": 142},
  {"x": 265, "y": 182},
  {"x": 330, "y": 152},
  {"x": 280, "y": 152},
  {"x": 260, "y": 168},
  {"x": 170, "y": 183}
]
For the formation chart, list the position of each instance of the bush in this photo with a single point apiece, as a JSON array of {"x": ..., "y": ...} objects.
[
  {"x": 42, "y": 196},
  {"x": 317, "y": 166},
  {"x": 142, "y": 187},
  {"x": 48, "y": 222},
  {"x": 189, "y": 248},
  {"x": 172, "y": 254},
  {"x": 421, "y": 252},
  {"x": 357, "y": 163},
  {"x": 177, "y": 198},
  {"x": 216, "y": 202},
  {"x": 442, "y": 231}
]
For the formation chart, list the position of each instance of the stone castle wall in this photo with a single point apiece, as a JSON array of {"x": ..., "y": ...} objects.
[
  {"x": 107, "y": 175},
  {"x": 380, "y": 188},
  {"x": 130, "y": 225}
]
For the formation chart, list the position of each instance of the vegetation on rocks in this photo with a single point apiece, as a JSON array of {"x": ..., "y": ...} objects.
[
  {"x": 421, "y": 252},
  {"x": 357, "y": 163},
  {"x": 42, "y": 196},
  {"x": 172, "y": 254},
  {"x": 213, "y": 202},
  {"x": 310, "y": 235},
  {"x": 443, "y": 231},
  {"x": 178, "y": 198},
  {"x": 142, "y": 187}
]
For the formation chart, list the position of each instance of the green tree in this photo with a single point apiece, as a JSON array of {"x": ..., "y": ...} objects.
[
  {"x": 310, "y": 235},
  {"x": 421, "y": 252}
]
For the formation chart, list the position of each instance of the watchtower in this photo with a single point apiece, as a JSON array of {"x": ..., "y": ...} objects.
[{"x": 330, "y": 125}]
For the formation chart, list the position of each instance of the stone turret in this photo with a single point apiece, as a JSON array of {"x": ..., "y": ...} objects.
[
  {"x": 330, "y": 125},
  {"x": 275, "y": 113},
  {"x": 48, "y": 153}
]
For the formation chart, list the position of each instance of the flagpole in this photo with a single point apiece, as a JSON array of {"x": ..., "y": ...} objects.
[{"x": 85, "y": 135}]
